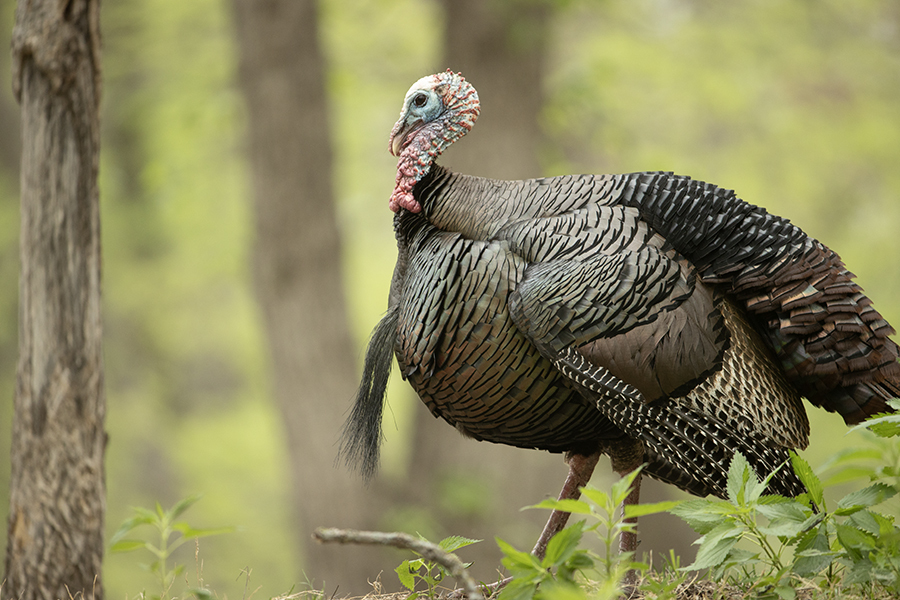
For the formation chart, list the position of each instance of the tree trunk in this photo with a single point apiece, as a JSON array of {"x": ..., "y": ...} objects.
[
  {"x": 297, "y": 266},
  {"x": 57, "y": 503},
  {"x": 500, "y": 47}
]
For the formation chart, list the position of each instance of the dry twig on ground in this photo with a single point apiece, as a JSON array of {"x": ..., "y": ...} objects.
[{"x": 424, "y": 548}]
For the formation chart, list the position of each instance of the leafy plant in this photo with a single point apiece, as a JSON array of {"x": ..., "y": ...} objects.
[
  {"x": 556, "y": 575},
  {"x": 794, "y": 537},
  {"x": 533, "y": 577},
  {"x": 786, "y": 541},
  {"x": 411, "y": 572},
  {"x": 170, "y": 534}
]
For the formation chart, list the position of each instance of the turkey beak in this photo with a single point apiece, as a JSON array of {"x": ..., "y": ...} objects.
[{"x": 401, "y": 134}]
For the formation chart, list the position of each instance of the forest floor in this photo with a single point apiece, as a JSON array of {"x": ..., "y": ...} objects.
[{"x": 697, "y": 589}]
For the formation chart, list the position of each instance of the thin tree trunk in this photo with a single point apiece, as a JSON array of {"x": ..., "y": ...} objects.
[
  {"x": 57, "y": 496},
  {"x": 297, "y": 266},
  {"x": 499, "y": 46}
]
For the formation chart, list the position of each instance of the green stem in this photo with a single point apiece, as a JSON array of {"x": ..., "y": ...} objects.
[
  {"x": 762, "y": 541},
  {"x": 163, "y": 555},
  {"x": 608, "y": 542}
]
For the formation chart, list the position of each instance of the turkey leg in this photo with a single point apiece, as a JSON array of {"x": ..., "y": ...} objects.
[
  {"x": 581, "y": 467},
  {"x": 626, "y": 455}
]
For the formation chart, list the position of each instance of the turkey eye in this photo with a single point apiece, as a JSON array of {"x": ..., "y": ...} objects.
[{"x": 420, "y": 100}]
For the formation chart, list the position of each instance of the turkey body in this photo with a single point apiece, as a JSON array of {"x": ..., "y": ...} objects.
[
  {"x": 559, "y": 313},
  {"x": 650, "y": 316}
]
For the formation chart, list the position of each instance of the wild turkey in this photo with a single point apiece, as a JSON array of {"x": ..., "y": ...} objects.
[{"x": 647, "y": 315}]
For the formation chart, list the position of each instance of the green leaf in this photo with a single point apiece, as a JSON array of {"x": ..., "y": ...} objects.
[
  {"x": 127, "y": 545},
  {"x": 851, "y": 456},
  {"x": 786, "y": 519},
  {"x": 182, "y": 505},
  {"x": 856, "y": 542},
  {"x": 516, "y": 560},
  {"x": 580, "y": 560},
  {"x": 555, "y": 590},
  {"x": 785, "y": 592},
  {"x": 809, "y": 479},
  {"x": 189, "y": 532},
  {"x": 569, "y": 505},
  {"x": 129, "y": 524},
  {"x": 886, "y": 427},
  {"x": 849, "y": 474},
  {"x": 741, "y": 556},
  {"x": 813, "y": 553},
  {"x": 622, "y": 487},
  {"x": 518, "y": 589},
  {"x": 782, "y": 529},
  {"x": 755, "y": 487},
  {"x": 739, "y": 473},
  {"x": 145, "y": 514},
  {"x": 563, "y": 545},
  {"x": 711, "y": 554},
  {"x": 873, "y": 523},
  {"x": 201, "y": 593},
  {"x": 864, "y": 498},
  {"x": 715, "y": 546},
  {"x": 455, "y": 542},
  {"x": 860, "y": 572},
  {"x": 598, "y": 497},
  {"x": 702, "y": 515},
  {"x": 406, "y": 576},
  {"x": 639, "y": 510}
]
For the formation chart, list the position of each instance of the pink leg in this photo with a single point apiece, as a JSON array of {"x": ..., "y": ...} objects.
[
  {"x": 581, "y": 467},
  {"x": 627, "y": 455}
]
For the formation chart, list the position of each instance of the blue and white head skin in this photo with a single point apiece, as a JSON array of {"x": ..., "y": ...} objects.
[{"x": 437, "y": 110}]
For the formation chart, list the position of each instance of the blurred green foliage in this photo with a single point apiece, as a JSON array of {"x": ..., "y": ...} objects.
[
  {"x": 167, "y": 535},
  {"x": 794, "y": 104}
]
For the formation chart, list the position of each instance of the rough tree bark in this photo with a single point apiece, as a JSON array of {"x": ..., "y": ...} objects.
[
  {"x": 297, "y": 266},
  {"x": 57, "y": 496}
]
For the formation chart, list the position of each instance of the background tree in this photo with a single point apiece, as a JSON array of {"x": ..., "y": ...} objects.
[
  {"x": 297, "y": 267},
  {"x": 11, "y": 143},
  {"x": 501, "y": 47},
  {"x": 57, "y": 499}
]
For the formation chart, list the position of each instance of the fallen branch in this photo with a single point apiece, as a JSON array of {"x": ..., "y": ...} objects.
[{"x": 424, "y": 548}]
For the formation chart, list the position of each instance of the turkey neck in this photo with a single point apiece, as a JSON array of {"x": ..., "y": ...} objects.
[{"x": 475, "y": 207}]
